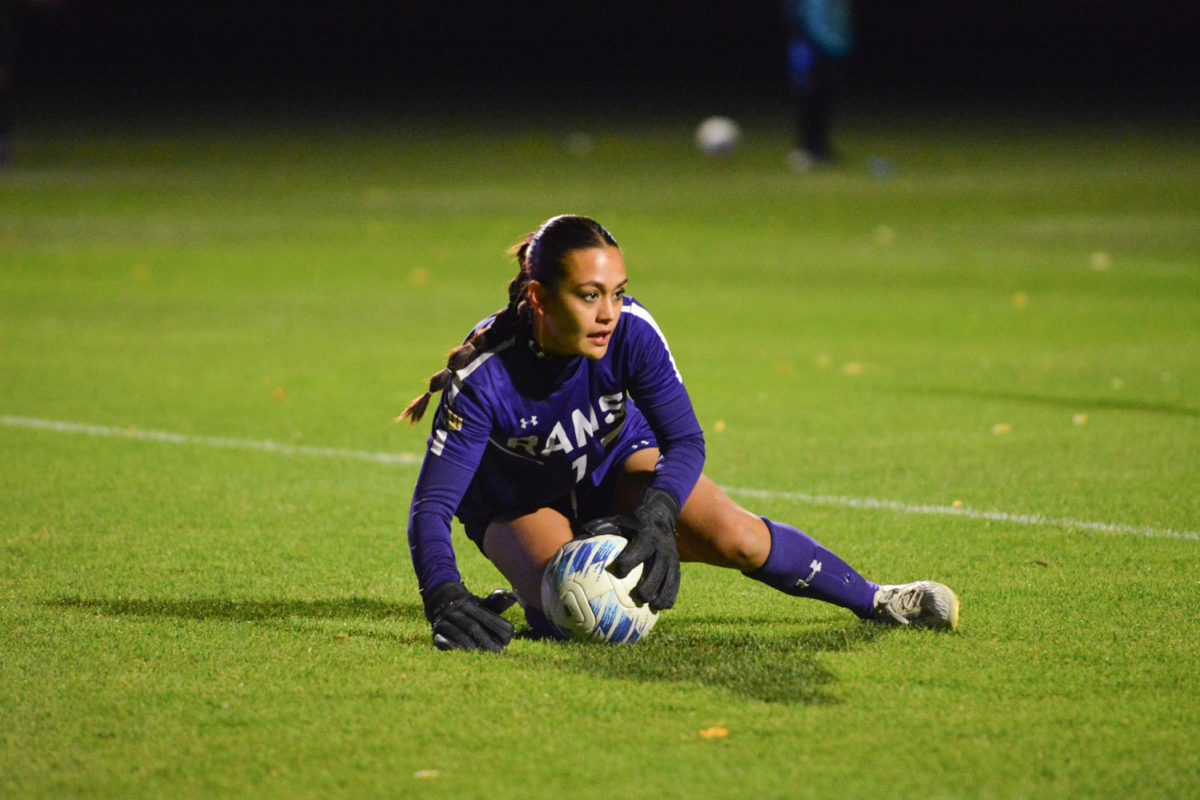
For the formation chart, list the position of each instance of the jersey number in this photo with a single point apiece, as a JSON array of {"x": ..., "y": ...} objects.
[{"x": 580, "y": 465}]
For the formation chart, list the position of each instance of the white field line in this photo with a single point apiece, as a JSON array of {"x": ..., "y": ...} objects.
[
  {"x": 410, "y": 459},
  {"x": 266, "y": 446},
  {"x": 951, "y": 511}
]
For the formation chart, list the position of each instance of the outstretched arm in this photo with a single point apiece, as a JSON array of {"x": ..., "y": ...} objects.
[
  {"x": 460, "y": 620},
  {"x": 656, "y": 386}
]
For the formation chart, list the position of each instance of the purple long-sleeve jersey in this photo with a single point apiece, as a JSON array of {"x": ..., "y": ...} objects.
[{"x": 516, "y": 430}]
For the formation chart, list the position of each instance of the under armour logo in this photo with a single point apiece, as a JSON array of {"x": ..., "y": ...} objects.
[
  {"x": 526, "y": 422},
  {"x": 804, "y": 583}
]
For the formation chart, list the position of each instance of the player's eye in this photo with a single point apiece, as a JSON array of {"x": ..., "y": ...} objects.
[{"x": 591, "y": 296}]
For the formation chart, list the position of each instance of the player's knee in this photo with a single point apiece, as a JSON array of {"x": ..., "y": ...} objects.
[{"x": 743, "y": 546}]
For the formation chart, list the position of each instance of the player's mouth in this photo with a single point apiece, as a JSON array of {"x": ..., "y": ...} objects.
[{"x": 599, "y": 338}]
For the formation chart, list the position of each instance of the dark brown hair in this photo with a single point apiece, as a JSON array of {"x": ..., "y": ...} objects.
[{"x": 541, "y": 256}]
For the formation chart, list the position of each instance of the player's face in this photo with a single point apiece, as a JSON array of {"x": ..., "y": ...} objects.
[{"x": 578, "y": 318}]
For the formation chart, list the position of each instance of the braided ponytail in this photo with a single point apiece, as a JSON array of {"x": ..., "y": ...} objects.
[
  {"x": 459, "y": 358},
  {"x": 540, "y": 256},
  {"x": 504, "y": 324}
]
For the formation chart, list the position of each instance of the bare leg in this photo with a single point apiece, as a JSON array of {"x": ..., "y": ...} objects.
[
  {"x": 521, "y": 547},
  {"x": 712, "y": 529}
]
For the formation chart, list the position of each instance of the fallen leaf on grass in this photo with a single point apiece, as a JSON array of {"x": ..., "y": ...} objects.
[{"x": 714, "y": 734}]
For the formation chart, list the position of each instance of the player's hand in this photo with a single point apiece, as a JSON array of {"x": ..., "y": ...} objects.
[
  {"x": 651, "y": 535},
  {"x": 462, "y": 621}
]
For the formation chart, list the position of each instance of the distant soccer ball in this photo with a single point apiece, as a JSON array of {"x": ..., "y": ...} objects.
[
  {"x": 587, "y": 602},
  {"x": 718, "y": 137}
]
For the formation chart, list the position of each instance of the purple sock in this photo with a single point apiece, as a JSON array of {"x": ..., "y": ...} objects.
[
  {"x": 798, "y": 565},
  {"x": 539, "y": 626}
]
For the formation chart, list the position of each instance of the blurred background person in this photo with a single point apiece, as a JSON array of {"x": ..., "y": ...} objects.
[
  {"x": 820, "y": 37},
  {"x": 8, "y": 54}
]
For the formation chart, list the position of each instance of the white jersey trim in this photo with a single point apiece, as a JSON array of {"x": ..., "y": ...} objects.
[
  {"x": 464, "y": 373},
  {"x": 643, "y": 314}
]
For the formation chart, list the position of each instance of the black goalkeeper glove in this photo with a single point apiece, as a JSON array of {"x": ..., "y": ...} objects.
[
  {"x": 651, "y": 535},
  {"x": 462, "y": 621}
]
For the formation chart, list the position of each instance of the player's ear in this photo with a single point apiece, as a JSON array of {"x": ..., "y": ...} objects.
[{"x": 537, "y": 296}]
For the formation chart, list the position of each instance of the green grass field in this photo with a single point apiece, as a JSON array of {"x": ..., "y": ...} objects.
[{"x": 1001, "y": 340}]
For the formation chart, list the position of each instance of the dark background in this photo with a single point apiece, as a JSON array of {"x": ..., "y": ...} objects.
[{"x": 1114, "y": 58}]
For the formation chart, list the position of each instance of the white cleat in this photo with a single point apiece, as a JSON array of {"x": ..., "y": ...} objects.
[{"x": 923, "y": 604}]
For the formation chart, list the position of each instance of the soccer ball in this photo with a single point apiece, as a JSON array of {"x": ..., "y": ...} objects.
[
  {"x": 718, "y": 137},
  {"x": 585, "y": 601}
]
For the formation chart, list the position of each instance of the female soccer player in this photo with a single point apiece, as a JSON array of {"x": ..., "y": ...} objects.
[{"x": 565, "y": 407}]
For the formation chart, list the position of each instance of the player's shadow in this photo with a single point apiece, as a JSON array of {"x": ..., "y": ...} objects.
[
  {"x": 771, "y": 662},
  {"x": 348, "y": 610},
  {"x": 761, "y": 658}
]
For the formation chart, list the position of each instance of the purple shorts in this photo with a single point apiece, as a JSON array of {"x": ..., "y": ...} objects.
[{"x": 590, "y": 498}]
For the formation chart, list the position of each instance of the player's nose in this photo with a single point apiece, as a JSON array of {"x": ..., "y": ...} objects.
[{"x": 609, "y": 308}]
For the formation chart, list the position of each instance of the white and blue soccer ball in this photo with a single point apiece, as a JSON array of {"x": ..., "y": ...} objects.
[
  {"x": 585, "y": 601},
  {"x": 718, "y": 137}
]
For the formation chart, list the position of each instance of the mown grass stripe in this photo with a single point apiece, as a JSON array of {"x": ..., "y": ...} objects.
[{"x": 410, "y": 459}]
